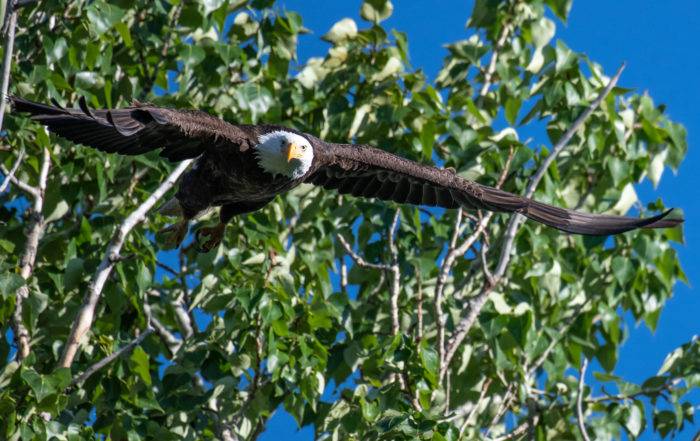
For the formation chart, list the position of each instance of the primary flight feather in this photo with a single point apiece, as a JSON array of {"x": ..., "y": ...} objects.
[{"x": 241, "y": 168}]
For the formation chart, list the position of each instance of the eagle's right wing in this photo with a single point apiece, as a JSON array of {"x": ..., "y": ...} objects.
[
  {"x": 366, "y": 171},
  {"x": 181, "y": 134}
]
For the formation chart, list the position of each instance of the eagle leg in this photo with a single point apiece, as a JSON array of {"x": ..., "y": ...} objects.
[
  {"x": 208, "y": 238},
  {"x": 172, "y": 236}
]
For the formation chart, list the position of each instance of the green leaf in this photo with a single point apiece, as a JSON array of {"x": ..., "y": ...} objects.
[
  {"x": 103, "y": 16},
  {"x": 10, "y": 283},
  {"x": 429, "y": 360},
  {"x": 345, "y": 29},
  {"x": 376, "y": 10},
  {"x": 512, "y": 107},
  {"x": 560, "y": 8},
  {"x": 635, "y": 419},
  {"x": 75, "y": 270},
  {"x": 427, "y": 138},
  {"x": 140, "y": 364},
  {"x": 44, "y": 385},
  {"x": 622, "y": 269}
]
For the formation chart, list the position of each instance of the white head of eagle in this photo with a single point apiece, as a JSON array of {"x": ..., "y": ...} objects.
[{"x": 284, "y": 153}]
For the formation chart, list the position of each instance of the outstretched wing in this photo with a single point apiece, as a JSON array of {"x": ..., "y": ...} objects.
[
  {"x": 181, "y": 134},
  {"x": 365, "y": 171}
]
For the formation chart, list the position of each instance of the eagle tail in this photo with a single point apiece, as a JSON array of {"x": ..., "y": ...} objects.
[{"x": 572, "y": 221}]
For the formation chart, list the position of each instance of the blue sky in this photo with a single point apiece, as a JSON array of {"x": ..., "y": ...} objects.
[{"x": 659, "y": 44}]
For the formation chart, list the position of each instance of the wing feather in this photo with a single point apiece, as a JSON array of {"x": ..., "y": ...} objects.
[
  {"x": 369, "y": 172},
  {"x": 180, "y": 134}
]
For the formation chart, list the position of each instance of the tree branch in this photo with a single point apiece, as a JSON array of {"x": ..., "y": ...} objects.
[
  {"x": 30, "y": 190},
  {"x": 579, "y": 401},
  {"x": 37, "y": 226},
  {"x": 83, "y": 321},
  {"x": 7, "y": 59},
  {"x": 111, "y": 357},
  {"x": 9, "y": 176},
  {"x": 479, "y": 301}
]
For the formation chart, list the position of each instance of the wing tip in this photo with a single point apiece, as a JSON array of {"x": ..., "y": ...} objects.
[{"x": 661, "y": 221}]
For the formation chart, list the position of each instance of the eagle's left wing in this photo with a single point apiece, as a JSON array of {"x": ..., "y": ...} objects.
[
  {"x": 365, "y": 171},
  {"x": 180, "y": 134}
]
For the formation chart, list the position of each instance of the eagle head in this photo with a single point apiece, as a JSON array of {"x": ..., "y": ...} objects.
[{"x": 284, "y": 153}]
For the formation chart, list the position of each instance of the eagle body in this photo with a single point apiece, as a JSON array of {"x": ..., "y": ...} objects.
[
  {"x": 241, "y": 168},
  {"x": 228, "y": 177}
]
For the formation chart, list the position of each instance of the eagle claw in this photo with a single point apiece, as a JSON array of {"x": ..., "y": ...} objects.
[
  {"x": 208, "y": 238},
  {"x": 172, "y": 236}
]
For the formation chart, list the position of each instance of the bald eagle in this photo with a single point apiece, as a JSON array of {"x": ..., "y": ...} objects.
[{"x": 241, "y": 168}]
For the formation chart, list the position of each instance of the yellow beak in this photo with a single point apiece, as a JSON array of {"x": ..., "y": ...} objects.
[{"x": 293, "y": 152}]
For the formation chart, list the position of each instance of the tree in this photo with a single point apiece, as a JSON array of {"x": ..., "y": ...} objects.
[{"x": 427, "y": 324}]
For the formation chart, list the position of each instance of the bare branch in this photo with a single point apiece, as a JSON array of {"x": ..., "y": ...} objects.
[
  {"x": 83, "y": 321},
  {"x": 394, "y": 287},
  {"x": 111, "y": 357},
  {"x": 579, "y": 400},
  {"x": 479, "y": 301},
  {"x": 11, "y": 174},
  {"x": 30, "y": 190},
  {"x": 359, "y": 260}
]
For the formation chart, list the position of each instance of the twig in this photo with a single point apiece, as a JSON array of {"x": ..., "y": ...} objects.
[
  {"x": 172, "y": 343},
  {"x": 184, "y": 316},
  {"x": 503, "y": 407},
  {"x": 11, "y": 174},
  {"x": 649, "y": 391},
  {"x": 491, "y": 69},
  {"x": 167, "y": 268},
  {"x": 164, "y": 51},
  {"x": 522, "y": 429},
  {"x": 419, "y": 306},
  {"x": 37, "y": 226},
  {"x": 472, "y": 413},
  {"x": 561, "y": 333},
  {"x": 135, "y": 179},
  {"x": 359, "y": 260},
  {"x": 111, "y": 357},
  {"x": 478, "y": 302},
  {"x": 83, "y": 321},
  {"x": 579, "y": 401}
]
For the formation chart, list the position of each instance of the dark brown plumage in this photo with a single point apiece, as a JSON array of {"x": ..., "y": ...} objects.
[{"x": 229, "y": 172}]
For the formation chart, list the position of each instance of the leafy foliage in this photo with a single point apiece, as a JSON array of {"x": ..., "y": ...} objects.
[{"x": 282, "y": 317}]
